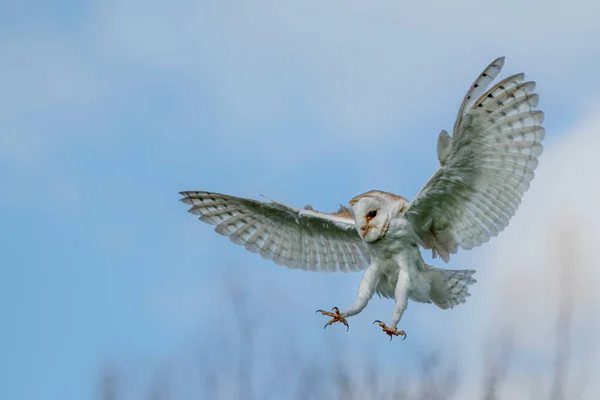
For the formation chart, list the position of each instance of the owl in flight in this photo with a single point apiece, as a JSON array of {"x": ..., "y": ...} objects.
[{"x": 485, "y": 168}]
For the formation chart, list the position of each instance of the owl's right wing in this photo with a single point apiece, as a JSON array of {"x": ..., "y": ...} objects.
[{"x": 293, "y": 237}]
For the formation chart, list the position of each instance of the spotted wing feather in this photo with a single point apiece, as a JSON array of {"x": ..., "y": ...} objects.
[{"x": 478, "y": 87}]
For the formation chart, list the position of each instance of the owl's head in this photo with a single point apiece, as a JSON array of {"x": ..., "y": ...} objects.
[{"x": 373, "y": 212}]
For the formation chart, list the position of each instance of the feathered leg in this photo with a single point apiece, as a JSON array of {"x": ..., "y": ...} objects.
[
  {"x": 401, "y": 296},
  {"x": 366, "y": 288}
]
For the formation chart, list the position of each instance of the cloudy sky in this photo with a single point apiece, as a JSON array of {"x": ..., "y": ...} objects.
[{"x": 109, "y": 108}]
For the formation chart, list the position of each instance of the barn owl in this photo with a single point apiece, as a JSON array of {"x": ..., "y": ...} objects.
[{"x": 485, "y": 167}]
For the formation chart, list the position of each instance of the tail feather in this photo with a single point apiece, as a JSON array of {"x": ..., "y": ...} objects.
[{"x": 450, "y": 287}]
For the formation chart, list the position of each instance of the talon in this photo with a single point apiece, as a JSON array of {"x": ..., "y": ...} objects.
[
  {"x": 391, "y": 332},
  {"x": 336, "y": 316}
]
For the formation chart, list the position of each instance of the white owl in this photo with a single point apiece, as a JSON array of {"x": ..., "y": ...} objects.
[{"x": 485, "y": 168}]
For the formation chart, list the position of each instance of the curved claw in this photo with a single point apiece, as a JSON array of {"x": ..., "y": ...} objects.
[
  {"x": 347, "y": 327},
  {"x": 401, "y": 333},
  {"x": 390, "y": 331},
  {"x": 336, "y": 316}
]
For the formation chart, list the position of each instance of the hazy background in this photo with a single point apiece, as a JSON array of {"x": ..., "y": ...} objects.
[{"x": 109, "y": 108}]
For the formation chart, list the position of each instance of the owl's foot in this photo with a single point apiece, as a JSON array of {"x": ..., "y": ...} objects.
[
  {"x": 336, "y": 316},
  {"x": 390, "y": 331}
]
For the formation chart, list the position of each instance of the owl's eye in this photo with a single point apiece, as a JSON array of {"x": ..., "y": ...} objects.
[{"x": 372, "y": 214}]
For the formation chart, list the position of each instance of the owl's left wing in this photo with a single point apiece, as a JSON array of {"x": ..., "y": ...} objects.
[
  {"x": 485, "y": 168},
  {"x": 296, "y": 238}
]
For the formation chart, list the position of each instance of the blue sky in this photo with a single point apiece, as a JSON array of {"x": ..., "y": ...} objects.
[{"x": 109, "y": 109}]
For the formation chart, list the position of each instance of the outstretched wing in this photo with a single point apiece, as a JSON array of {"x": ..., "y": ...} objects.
[
  {"x": 289, "y": 236},
  {"x": 487, "y": 167}
]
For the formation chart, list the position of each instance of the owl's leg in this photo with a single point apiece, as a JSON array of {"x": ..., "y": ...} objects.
[
  {"x": 401, "y": 296},
  {"x": 367, "y": 286}
]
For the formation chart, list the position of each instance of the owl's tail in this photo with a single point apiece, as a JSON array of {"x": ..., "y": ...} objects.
[{"x": 450, "y": 287}]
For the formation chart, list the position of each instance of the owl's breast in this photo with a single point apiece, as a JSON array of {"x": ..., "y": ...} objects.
[{"x": 400, "y": 237}]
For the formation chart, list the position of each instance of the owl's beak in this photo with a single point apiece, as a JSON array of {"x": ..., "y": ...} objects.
[{"x": 364, "y": 230}]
